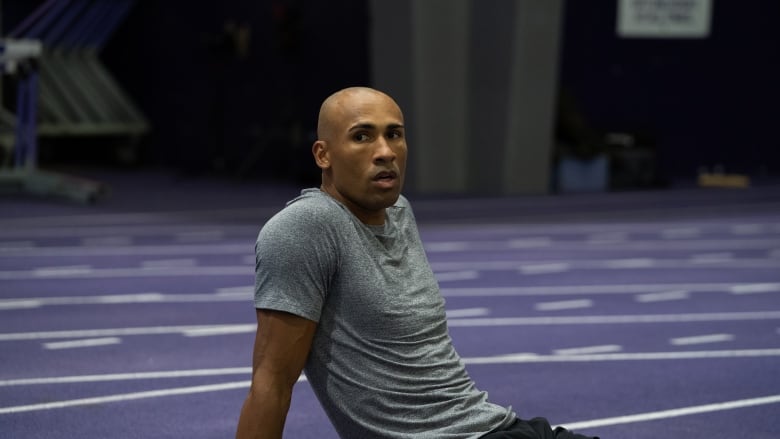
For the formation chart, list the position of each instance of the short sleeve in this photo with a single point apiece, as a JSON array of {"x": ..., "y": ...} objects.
[{"x": 295, "y": 258}]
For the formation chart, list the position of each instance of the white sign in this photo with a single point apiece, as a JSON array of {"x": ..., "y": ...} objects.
[{"x": 664, "y": 18}]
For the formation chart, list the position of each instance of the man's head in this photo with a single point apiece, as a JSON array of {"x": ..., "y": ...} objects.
[{"x": 361, "y": 149}]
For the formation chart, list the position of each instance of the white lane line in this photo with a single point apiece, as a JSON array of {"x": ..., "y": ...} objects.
[
  {"x": 125, "y": 397},
  {"x": 672, "y": 264},
  {"x": 621, "y": 356},
  {"x": 533, "y": 242},
  {"x": 112, "y": 231},
  {"x": 243, "y": 290},
  {"x": 534, "y": 267},
  {"x": 710, "y": 258},
  {"x": 481, "y": 245},
  {"x": 216, "y": 330},
  {"x": 673, "y": 413},
  {"x": 82, "y": 300},
  {"x": 680, "y": 233},
  {"x": 683, "y": 244},
  {"x": 586, "y": 350},
  {"x": 755, "y": 288},
  {"x": 127, "y": 376},
  {"x": 508, "y": 264},
  {"x": 607, "y": 238},
  {"x": 116, "y": 299},
  {"x": 62, "y": 271},
  {"x": 140, "y": 395},
  {"x": 563, "y": 304},
  {"x": 90, "y": 342},
  {"x": 597, "y": 289},
  {"x": 121, "y": 332},
  {"x": 701, "y": 339},
  {"x": 451, "y": 276},
  {"x": 662, "y": 296},
  {"x": 616, "y": 319},
  {"x": 180, "y": 262},
  {"x": 6, "y": 304},
  {"x": 467, "y": 312},
  {"x": 134, "y": 250},
  {"x": 446, "y": 247},
  {"x": 119, "y": 298},
  {"x": 554, "y": 267},
  {"x": 84, "y": 272},
  {"x": 630, "y": 263}
]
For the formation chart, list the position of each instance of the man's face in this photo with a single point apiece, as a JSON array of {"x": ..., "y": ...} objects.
[{"x": 363, "y": 154}]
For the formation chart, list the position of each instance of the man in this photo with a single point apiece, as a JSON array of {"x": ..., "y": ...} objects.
[{"x": 344, "y": 290}]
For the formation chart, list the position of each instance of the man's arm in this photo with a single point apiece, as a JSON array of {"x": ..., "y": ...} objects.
[{"x": 282, "y": 344}]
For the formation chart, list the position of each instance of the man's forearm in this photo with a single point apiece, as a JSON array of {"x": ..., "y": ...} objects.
[
  {"x": 263, "y": 415},
  {"x": 282, "y": 345}
]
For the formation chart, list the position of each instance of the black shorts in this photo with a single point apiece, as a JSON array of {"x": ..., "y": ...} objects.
[{"x": 536, "y": 428}]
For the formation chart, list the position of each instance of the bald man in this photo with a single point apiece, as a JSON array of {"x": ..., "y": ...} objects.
[{"x": 344, "y": 292}]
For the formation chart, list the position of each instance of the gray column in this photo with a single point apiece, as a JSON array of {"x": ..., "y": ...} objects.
[
  {"x": 440, "y": 60},
  {"x": 490, "y": 60},
  {"x": 477, "y": 80},
  {"x": 532, "y": 88}
]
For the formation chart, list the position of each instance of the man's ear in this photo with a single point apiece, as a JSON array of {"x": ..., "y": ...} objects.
[{"x": 321, "y": 155}]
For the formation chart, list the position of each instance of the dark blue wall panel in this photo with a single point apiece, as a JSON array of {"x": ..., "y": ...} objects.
[{"x": 704, "y": 101}]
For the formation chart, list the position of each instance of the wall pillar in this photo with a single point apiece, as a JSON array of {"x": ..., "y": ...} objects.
[{"x": 477, "y": 80}]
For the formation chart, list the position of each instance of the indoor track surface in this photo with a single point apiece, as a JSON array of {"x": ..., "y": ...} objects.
[{"x": 629, "y": 315}]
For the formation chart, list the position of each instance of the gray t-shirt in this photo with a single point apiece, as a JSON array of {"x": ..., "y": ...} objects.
[{"x": 382, "y": 362}]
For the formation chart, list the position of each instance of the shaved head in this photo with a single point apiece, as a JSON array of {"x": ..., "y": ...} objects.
[{"x": 335, "y": 106}]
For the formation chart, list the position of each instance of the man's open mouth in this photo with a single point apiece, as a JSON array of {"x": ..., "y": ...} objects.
[{"x": 385, "y": 176}]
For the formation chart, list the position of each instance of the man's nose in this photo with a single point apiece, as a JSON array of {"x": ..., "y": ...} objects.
[{"x": 383, "y": 152}]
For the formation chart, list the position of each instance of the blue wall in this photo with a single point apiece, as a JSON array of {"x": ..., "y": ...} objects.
[{"x": 704, "y": 101}]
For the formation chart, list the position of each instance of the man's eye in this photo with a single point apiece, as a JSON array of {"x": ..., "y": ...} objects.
[
  {"x": 395, "y": 135},
  {"x": 361, "y": 137}
]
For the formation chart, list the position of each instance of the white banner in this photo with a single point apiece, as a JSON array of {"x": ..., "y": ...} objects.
[{"x": 664, "y": 18}]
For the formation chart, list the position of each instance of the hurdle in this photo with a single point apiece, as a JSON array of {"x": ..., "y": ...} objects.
[{"x": 63, "y": 90}]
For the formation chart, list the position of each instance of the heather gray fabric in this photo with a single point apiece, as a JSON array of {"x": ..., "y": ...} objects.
[{"x": 382, "y": 363}]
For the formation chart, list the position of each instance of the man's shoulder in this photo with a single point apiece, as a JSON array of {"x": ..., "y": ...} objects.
[
  {"x": 311, "y": 209},
  {"x": 311, "y": 200}
]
